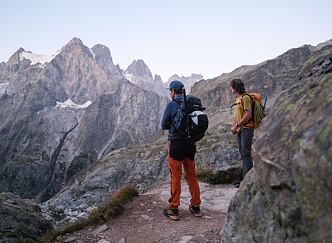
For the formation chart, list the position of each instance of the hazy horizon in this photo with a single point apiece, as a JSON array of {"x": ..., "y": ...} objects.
[{"x": 184, "y": 37}]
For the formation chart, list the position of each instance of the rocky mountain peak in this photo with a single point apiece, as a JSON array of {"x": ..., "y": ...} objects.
[
  {"x": 196, "y": 76},
  {"x": 75, "y": 45},
  {"x": 102, "y": 53},
  {"x": 75, "y": 41},
  {"x": 157, "y": 78},
  {"x": 15, "y": 58},
  {"x": 103, "y": 57},
  {"x": 140, "y": 69},
  {"x": 139, "y": 74}
]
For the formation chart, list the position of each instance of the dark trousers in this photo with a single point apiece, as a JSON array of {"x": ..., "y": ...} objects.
[{"x": 244, "y": 140}]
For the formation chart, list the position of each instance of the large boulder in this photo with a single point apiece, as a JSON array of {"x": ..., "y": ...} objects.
[
  {"x": 287, "y": 197},
  {"x": 218, "y": 158},
  {"x": 21, "y": 220}
]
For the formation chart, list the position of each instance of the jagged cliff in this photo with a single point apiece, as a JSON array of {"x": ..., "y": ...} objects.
[
  {"x": 139, "y": 74},
  {"x": 59, "y": 116}
]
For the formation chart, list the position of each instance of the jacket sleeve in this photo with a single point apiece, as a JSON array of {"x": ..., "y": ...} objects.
[{"x": 167, "y": 117}]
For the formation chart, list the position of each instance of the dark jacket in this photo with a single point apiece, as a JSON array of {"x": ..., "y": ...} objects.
[
  {"x": 169, "y": 113},
  {"x": 178, "y": 148}
]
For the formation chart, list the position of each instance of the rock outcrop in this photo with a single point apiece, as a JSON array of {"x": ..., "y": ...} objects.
[
  {"x": 287, "y": 197},
  {"x": 21, "y": 220}
]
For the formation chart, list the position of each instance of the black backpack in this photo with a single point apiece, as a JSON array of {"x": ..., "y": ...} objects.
[{"x": 190, "y": 122}]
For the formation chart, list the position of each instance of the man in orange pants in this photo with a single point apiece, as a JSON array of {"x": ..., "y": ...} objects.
[{"x": 180, "y": 154}]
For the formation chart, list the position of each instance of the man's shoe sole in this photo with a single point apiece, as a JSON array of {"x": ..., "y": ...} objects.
[
  {"x": 175, "y": 218},
  {"x": 198, "y": 215},
  {"x": 172, "y": 217}
]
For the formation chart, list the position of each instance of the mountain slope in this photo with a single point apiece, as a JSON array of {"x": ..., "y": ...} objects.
[{"x": 41, "y": 137}]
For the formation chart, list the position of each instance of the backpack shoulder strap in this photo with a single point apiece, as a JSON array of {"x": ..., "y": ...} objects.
[
  {"x": 252, "y": 106},
  {"x": 252, "y": 100}
]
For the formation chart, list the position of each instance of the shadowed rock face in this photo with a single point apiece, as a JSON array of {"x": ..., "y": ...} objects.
[
  {"x": 40, "y": 138},
  {"x": 288, "y": 196},
  {"x": 21, "y": 220}
]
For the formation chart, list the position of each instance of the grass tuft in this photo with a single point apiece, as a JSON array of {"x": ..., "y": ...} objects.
[{"x": 111, "y": 208}]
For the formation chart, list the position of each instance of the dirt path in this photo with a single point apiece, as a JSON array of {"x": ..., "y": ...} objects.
[{"x": 143, "y": 220}]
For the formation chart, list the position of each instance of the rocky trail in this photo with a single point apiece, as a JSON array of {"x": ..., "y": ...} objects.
[{"x": 142, "y": 219}]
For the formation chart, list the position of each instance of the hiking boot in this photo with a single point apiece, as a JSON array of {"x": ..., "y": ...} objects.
[
  {"x": 195, "y": 210},
  {"x": 172, "y": 213}
]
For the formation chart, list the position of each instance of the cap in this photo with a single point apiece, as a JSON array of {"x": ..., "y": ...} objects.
[{"x": 176, "y": 85}]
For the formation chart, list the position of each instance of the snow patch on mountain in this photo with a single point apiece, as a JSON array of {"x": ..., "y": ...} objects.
[
  {"x": 3, "y": 88},
  {"x": 71, "y": 105},
  {"x": 92, "y": 53},
  {"x": 37, "y": 58},
  {"x": 129, "y": 76}
]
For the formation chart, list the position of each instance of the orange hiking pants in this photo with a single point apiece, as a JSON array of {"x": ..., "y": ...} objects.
[{"x": 190, "y": 176}]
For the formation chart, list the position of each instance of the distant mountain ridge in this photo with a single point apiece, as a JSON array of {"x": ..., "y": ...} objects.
[{"x": 188, "y": 82}]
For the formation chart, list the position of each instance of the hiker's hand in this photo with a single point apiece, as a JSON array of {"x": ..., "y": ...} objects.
[{"x": 233, "y": 129}]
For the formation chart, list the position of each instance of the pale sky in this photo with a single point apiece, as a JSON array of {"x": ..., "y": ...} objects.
[{"x": 172, "y": 36}]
